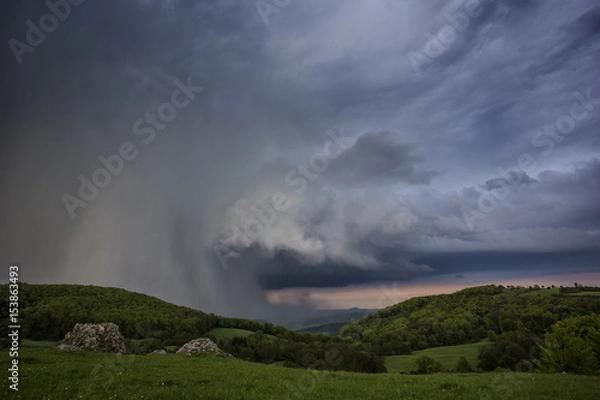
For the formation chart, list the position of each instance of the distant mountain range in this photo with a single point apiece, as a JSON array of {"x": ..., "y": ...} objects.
[{"x": 331, "y": 321}]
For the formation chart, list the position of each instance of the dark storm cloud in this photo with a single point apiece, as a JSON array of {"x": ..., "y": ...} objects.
[
  {"x": 540, "y": 263},
  {"x": 390, "y": 207},
  {"x": 329, "y": 276},
  {"x": 284, "y": 270}
]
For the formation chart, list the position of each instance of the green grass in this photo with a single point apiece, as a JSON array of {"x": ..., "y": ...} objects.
[
  {"x": 447, "y": 355},
  {"x": 50, "y": 374},
  {"x": 228, "y": 333}
]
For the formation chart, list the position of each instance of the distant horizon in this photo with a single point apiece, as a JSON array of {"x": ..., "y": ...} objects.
[
  {"x": 381, "y": 296},
  {"x": 384, "y": 293}
]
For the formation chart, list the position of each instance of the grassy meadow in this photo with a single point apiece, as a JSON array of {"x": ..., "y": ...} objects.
[
  {"x": 228, "y": 333},
  {"x": 447, "y": 355},
  {"x": 46, "y": 373}
]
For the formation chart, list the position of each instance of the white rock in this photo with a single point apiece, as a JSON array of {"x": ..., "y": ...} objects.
[
  {"x": 201, "y": 345},
  {"x": 97, "y": 337}
]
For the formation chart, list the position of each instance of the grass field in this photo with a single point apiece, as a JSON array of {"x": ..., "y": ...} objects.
[
  {"x": 228, "y": 333},
  {"x": 448, "y": 356},
  {"x": 46, "y": 373}
]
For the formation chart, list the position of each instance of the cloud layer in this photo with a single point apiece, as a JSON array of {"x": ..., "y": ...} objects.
[{"x": 485, "y": 158}]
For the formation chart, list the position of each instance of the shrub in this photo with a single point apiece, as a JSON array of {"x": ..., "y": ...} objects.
[
  {"x": 503, "y": 354},
  {"x": 427, "y": 365},
  {"x": 463, "y": 365}
]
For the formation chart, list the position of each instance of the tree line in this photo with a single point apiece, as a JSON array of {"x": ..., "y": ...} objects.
[{"x": 469, "y": 316}]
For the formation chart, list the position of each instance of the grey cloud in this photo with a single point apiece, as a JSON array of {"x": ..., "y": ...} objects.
[
  {"x": 559, "y": 212},
  {"x": 380, "y": 157}
]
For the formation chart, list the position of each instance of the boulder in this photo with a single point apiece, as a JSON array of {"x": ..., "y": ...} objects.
[
  {"x": 159, "y": 352},
  {"x": 97, "y": 337},
  {"x": 201, "y": 345}
]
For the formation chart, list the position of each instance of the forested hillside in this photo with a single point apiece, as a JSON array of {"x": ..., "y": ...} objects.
[
  {"x": 515, "y": 319},
  {"x": 48, "y": 312},
  {"x": 470, "y": 315}
]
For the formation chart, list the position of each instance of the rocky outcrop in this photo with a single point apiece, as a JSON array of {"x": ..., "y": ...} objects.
[
  {"x": 97, "y": 337},
  {"x": 201, "y": 345}
]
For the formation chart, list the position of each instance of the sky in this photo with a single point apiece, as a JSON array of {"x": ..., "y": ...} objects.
[{"x": 266, "y": 158}]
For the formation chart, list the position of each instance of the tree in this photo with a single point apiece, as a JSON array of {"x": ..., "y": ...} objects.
[
  {"x": 463, "y": 365},
  {"x": 504, "y": 354},
  {"x": 573, "y": 345},
  {"x": 427, "y": 365}
]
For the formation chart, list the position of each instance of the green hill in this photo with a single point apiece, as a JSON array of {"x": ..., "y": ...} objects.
[
  {"x": 48, "y": 312},
  {"x": 514, "y": 316},
  {"x": 468, "y": 316}
]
